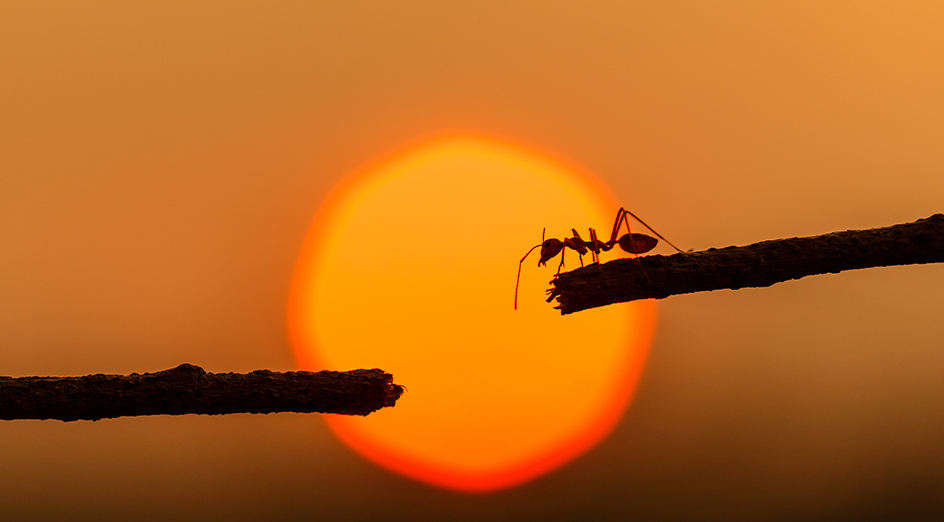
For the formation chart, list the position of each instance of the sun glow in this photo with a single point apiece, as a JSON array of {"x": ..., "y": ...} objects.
[{"x": 410, "y": 267}]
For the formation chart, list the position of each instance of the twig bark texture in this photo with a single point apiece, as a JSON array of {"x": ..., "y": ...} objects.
[
  {"x": 757, "y": 265},
  {"x": 189, "y": 389}
]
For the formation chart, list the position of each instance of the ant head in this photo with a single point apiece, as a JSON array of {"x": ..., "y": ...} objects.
[
  {"x": 549, "y": 249},
  {"x": 637, "y": 243}
]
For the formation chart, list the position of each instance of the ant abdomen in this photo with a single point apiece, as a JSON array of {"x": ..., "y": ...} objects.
[{"x": 637, "y": 243}]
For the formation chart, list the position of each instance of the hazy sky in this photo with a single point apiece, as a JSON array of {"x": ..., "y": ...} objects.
[{"x": 160, "y": 163}]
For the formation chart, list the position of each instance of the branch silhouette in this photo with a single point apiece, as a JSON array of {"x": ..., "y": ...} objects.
[
  {"x": 190, "y": 389},
  {"x": 758, "y": 265}
]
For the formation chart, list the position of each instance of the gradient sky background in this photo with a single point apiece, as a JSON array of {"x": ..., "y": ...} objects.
[{"x": 160, "y": 163}]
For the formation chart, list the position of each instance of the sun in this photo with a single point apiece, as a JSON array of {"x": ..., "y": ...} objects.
[{"x": 410, "y": 266}]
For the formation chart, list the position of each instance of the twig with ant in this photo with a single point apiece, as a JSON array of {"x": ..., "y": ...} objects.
[{"x": 758, "y": 265}]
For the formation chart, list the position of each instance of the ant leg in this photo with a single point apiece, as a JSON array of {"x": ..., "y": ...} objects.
[
  {"x": 635, "y": 255},
  {"x": 629, "y": 231},
  {"x": 561, "y": 265},
  {"x": 624, "y": 212},
  {"x": 577, "y": 244},
  {"x": 616, "y": 225},
  {"x": 598, "y": 247}
]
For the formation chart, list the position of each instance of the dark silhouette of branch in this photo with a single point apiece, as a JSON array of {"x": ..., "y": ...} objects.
[
  {"x": 189, "y": 389},
  {"x": 757, "y": 265}
]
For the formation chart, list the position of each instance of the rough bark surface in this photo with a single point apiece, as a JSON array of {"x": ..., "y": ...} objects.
[
  {"x": 190, "y": 389},
  {"x": 757, "y": 265}
]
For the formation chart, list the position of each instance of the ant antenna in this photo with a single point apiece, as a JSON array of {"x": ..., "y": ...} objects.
[{"x": 518, "y": 281}]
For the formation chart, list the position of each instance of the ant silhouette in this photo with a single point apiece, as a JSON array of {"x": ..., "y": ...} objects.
[{"x": 633, "y": 243}]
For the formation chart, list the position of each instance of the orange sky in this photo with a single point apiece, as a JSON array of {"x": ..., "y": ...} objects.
[{"x": 160, "y": 163}]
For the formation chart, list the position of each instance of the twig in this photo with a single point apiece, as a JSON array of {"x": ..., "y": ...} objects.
[
  {"x": 189, "y": 389},
  {"x": 757, "y": 265}
]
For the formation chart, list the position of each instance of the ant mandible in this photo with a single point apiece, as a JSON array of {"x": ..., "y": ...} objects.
[{"x": 631, "y": 242}]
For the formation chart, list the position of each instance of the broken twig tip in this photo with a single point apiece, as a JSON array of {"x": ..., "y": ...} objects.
[{"x": 190, "y": 389}]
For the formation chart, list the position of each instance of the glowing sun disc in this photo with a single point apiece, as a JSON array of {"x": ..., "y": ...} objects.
[{"x": 410, "y": 267}]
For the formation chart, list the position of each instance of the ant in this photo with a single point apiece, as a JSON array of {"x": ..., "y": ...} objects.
[{"x": 633, "y": 243}]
